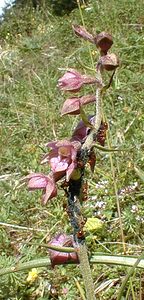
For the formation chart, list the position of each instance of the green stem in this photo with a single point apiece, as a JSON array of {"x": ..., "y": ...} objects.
[
  {"x": 90, "y": 138},
  {"x": 86, "y": 272},
  {"x": 76, "y": 218},
  {"x": 82, "y": 253},
  {"x": 127, "y": 261},
  {"x": 95, "y": 259},
  {"x": 98, "y": 109},
  {"x": 82, "y": 19}
]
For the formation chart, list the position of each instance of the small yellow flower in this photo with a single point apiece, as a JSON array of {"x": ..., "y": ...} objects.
[
  {"x": 94, "y": 52},
  {"x": 83, "y": 6},
  {"x": 32, "y": 276}
]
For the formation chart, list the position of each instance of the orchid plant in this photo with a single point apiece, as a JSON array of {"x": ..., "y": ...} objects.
[{"x": 68, "y": 158}]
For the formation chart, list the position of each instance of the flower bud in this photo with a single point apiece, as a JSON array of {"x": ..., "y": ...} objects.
[
  {"x": 81, "y": 131},
  {"x": 82, "y": 32},
  {"x": 109, "y": 62},
  {"x": 72, "y": 81},
  {"x": 72, "y": 105},
  {"x": 103, "y": 41},
  {"x": 57, "y": 257}
]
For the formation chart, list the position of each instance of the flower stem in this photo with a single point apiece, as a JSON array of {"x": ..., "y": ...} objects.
[
  {"x": 82, "y": 253},
  {"x": 98, "y": 117},
  {"x": 86, "y": 271},
  {"x": 76, "y": 219},
  {"x": 126, "y": 261}
]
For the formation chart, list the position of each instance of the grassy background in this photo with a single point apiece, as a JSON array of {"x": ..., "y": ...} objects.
[{"x": 34, "y": 46}]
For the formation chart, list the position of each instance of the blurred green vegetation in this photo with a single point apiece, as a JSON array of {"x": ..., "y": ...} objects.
[{"x": 36, "y": 48}]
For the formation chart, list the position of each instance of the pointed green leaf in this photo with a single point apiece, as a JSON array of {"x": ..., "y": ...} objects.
[
  {"x": 109, "y": 83},
  {"x": 107, "y": 149},
  {"x": 85, "y": 118},
  {"x": 140, "y": 173}
]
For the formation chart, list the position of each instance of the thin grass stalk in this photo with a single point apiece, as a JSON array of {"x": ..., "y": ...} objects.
[
  {"x": 129, "y": 274},
  {"x": 132, "y": 290},
  {"x": 117, "y": 198},
  {"x": 83, "y": 22},
  {"x": 81, "y": 291}
]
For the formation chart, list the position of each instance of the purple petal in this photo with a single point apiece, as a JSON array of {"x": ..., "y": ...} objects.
[
  {"x": 61, "y": 166},
  {"x": 51, "y": 191},
  {"x": 37, "y": 181},
  {"x": 54, "y": 161},
  {"x": 71, "y": 106},
  {"x": 51, "y": 144},
  {"x": 87, "y": 99},
  {"x": 63, "y": 143}
]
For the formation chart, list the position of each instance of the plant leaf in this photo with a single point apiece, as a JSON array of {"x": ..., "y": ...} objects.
[
  {"x": 107, "y": 149},
  {"x": 93, "y": 224},
  {"x": 140, "y": 173},
  {"x": 85, "y": 118}
]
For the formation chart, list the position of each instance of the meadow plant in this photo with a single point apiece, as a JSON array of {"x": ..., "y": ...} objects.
[{"x": 68, "y": 158}]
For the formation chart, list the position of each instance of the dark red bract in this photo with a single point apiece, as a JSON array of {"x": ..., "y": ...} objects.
[{"x": 57, "y": 257}]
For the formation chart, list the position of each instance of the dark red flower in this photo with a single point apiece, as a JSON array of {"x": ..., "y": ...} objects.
[
  {"x": 108, "y": 62},
  {"x": 72, "y": 105},
  {"x": 92, "y": 160},
  {"x": 62, "y": 158},
  {"x": 58, "y": 258},
  {"x": 72, "y": 81},
  {"x": 104, "y": 41},
  {"x": 81, "y": 131},
  {"x": 101, "y": 135}
]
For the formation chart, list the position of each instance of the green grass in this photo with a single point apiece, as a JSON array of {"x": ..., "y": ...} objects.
[{"x": 33, "y": 48}]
